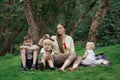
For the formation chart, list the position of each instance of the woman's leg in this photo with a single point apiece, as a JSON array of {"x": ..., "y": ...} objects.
[
  {"x": 76, "y": 63},
  {"x": 59, "y": 59},
  {"x": 63, "y": 59},
  {"x": 69, "y": 60}
]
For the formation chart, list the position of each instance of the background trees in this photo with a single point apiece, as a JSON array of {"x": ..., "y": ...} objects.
[
  {"x": 100, "y": 14},
  {"x": 37, "y": 17}
]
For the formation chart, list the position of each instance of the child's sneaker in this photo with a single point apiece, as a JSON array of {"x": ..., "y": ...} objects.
[
  {"x": 23, "y": 69},
  {"x": 52, "y": 68},
  {"x": 33, "y": 67},
  {"x": 41, "y": 66}
]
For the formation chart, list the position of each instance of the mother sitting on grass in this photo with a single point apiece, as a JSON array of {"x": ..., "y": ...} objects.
[{"x": 63, "y": 48}]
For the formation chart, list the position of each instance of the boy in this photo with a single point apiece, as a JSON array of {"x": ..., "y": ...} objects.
[{"x": 29, "y": 53}]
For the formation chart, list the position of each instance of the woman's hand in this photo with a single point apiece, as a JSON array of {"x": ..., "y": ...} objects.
[{"x": 72, "y": 52}]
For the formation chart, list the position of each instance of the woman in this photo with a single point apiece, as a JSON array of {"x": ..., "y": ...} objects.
[{"x": 63, "y": 48}]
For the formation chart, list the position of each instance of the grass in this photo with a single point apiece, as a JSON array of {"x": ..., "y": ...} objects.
[{"x": 10, "y": 68}]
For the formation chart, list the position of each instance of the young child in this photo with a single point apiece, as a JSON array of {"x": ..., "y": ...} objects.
[
  {"x": 89, "y": 56},
  {"x": 29, "y": 54},
  {"x": 46, "y": 53}
]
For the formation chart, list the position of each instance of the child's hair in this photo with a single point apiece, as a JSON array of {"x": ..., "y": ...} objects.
[
  {"x": 47, "y": 41},
  {"x": 92, "y": 44},
  {"x": 47, "y": 36},
  {"x": 27, "y": 37}
]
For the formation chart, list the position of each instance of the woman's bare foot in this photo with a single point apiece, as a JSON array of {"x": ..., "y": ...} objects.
[
  {"x": 60, "y": 69},
  {"x": 73, "y": 69}
]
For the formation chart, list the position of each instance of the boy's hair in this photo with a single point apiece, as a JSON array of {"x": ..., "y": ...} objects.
[
  {"x": 92, "y": 44},
  {"x": 27, "y": 37}
]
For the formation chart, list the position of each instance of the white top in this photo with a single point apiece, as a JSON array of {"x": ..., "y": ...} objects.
[
  {"x": 90, "y": 59},
  {"x": 43, "y": 51}
]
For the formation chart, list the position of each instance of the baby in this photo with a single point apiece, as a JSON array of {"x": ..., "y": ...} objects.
[
  {"x": 89, "y": 55},
  {"x": 88, "y": 58}
]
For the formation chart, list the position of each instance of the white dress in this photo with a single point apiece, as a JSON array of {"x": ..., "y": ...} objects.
[{"x": 90, "y": 59}]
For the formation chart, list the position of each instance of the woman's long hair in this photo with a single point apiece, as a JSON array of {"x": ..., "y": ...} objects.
[{"x": 60, "y": 40}]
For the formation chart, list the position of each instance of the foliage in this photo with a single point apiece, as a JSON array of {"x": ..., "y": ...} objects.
[
  {"x": 1, "y": 0},
  {"x": 48, "y": 13},
  {"x": 11, "y": 18},
  {"x": 109, "y": 32},
  {"x": 11, "y": 64}
]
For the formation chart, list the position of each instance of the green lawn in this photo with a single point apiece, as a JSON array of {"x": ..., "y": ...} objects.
[{"x": 10, "y": 68}]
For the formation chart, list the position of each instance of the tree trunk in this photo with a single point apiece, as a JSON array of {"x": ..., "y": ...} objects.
[
  {"x": 33, "y": 30},
  {"x": 46, "y": 23},
  {"x": 100, "y": 14},
  {"x": 81, "y": 18},
  {"x": 4, "y": 20},
  {"x": 3, "y": 27},
  {"x": 42, "y": 31},
  {"x": 9, "y": 41}
]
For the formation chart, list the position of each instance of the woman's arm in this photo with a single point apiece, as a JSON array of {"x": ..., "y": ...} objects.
[{"x": 72, "y": 47}]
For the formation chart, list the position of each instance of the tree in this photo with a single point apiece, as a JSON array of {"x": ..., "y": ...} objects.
[
  {"x": 11, "y": 25},
  {"x": 33, "y": 29},
  {"x": 99, "y": 16},
  {"x": 3, "y": 27},
  {"x": 81, "y": 18},
  {"x": 9, "y": 41}
]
